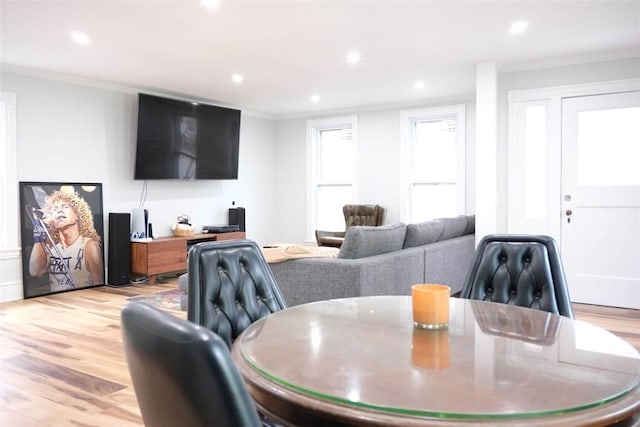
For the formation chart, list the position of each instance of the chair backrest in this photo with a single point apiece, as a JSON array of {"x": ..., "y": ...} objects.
[
  {"x": 182, "y": 373},
  {"x": 230, "y": 287},
  {"x": 521, "y": 270},
  {"x": 372, "y": 215}
]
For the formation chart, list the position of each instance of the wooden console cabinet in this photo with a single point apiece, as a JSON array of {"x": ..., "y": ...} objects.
[{"x": 169, "y": 254}]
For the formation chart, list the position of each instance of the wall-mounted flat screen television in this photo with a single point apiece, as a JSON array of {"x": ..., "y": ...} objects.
[{"x": 185, "y": 140}]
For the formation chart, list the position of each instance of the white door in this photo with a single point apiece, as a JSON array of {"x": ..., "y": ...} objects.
[{"x": 601, "y": 198}]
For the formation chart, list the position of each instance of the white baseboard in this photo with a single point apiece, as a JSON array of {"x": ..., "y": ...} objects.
[
  {"x": 10, "y": 275},
  {"x": 11, "y": 291}
]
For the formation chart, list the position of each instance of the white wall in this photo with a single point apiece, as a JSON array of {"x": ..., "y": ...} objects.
[
  {"x": 486, "y": 129},
  {"x": 74, "y": 132},
  {"x": 10, "y": 262},
  {"x": 291, "y": 176},
  {"x": 379, "y": 163}
]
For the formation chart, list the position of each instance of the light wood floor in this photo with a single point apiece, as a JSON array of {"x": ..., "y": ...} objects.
[{"x": 61, "y": 359}]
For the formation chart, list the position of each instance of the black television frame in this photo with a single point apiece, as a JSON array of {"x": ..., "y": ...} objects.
[{"x": 186, "y": 140}]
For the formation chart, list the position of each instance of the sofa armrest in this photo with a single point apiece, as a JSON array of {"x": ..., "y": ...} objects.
[
  {"x": 392, "y": 273},
  {"x": 316, "y": 279},
  {"x": 448, "y": 261}
]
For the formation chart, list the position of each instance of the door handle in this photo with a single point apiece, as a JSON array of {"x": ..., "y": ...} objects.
[{"x": 568, "y": 212}]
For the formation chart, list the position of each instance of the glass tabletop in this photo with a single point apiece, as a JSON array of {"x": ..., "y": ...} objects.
[{"x": 493, "y": 361}]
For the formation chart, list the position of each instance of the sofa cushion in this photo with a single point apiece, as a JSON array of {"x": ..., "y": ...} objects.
[
  {"x": 364, "y": 241},
  {"x": 423, "y": 233},
  {"x": 453, "y": 227}
]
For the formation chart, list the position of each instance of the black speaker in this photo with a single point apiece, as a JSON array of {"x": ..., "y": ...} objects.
[
  {"x": 237, "y": 217},
  {"x": 146, "y": 223},
  {"x": 119, "y": 263}
]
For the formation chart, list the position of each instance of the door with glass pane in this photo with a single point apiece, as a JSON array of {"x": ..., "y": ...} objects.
[{"x": 601, "y": 198}]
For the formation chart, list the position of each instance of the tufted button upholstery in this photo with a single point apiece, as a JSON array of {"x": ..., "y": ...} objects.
[
  {"x": 371, "y": 215},
  {"x": 230, "y": 287},
  {"x": 519, "y": 270}
]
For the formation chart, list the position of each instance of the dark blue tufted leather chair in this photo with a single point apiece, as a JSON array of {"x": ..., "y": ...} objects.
[
  {"x": 182, "y": 373},
  {"x": 520, "y": 270},
  {"x": 230, "y": 287}
]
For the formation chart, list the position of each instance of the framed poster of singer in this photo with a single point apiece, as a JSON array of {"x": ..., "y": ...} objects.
[{"x": 62, "y": 237}]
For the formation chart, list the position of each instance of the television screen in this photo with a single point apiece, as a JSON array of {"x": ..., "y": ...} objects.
[{"x": 184, "y": 140}]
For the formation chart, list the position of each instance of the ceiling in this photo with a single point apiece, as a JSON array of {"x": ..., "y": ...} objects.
[{"x": 289, "y": 50}]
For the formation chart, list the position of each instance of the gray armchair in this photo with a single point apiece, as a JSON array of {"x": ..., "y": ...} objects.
[{"x": 372, "y": 215}]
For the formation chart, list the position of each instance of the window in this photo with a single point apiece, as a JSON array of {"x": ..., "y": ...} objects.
[
  {"x": 613, "y": 163},
  {"x": 433, "y": 172},
  {"x": 332, "y": 165},
  {"x": 536, "y": 161}
]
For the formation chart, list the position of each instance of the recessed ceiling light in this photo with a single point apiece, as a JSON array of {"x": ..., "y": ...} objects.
[
  {"x": 518, "y": 27},
  {"x": 419, "y": 84},
  {"x": 194, "y": 103},
  {"x": 237, "y": 78},
  {"x": 80, "y": 38},
  {"x": 353, "y": 57},
  {"x": 315, "y": 98},
  {"x": 211, "y": 4}
]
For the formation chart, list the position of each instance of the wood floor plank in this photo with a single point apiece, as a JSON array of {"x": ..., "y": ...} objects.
[
  {"x": 622, "y": 322},
  {"x": 62, "y": 361},
  {"x": 59, "y": 372}
]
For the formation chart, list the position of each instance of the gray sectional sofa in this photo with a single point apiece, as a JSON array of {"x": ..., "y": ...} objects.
[{"x": 384, "y": 260}]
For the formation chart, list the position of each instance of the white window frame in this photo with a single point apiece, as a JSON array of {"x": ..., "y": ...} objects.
[
  {"x": 408, "y": 118},
  {"x": 314, "y": 127}
]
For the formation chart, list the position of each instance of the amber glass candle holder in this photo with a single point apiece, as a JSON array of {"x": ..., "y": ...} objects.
[{"x": 430, "y": 304}]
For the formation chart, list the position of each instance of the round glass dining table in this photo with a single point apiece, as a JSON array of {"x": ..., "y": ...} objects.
[{"x": 360, "y": 361}]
